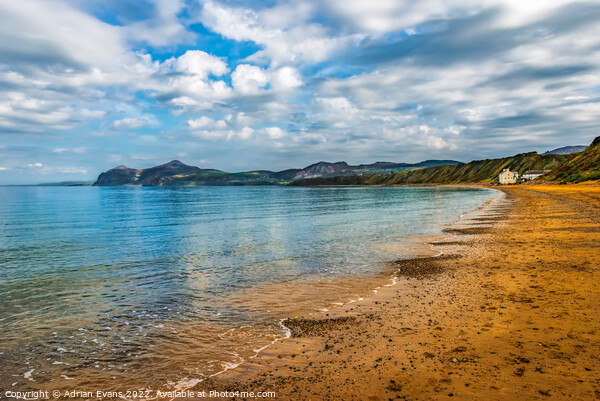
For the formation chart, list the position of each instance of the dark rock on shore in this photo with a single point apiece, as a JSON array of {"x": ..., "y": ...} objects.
[{"x": 315, "y": 327}]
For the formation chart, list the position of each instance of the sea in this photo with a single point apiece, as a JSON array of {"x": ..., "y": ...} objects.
[{"x": 114, "y": 288}]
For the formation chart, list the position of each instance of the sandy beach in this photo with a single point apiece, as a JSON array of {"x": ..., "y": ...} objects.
[{"x": 509, "y": 311}]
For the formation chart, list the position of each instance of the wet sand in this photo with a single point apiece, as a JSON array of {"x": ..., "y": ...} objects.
[{"x": 509, "y": 311}]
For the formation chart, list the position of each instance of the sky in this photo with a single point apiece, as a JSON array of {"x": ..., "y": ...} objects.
[{"x": 86, "y": 85}]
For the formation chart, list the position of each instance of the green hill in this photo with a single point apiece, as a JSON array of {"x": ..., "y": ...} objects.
[
  {"x": 477, "y": 171},
  {"x": 585, "y": 166}
]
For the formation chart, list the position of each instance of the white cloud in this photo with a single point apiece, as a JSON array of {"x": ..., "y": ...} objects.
[
  {"x": 53, "y": 30},
  {"x": 248, "y": 79},
  {"x": 392, "y": 15},
  {"x": 225, "y": 135},
  {"x": 242, "y": 119},
  {"x": 188, "y": 80},
  {"x": 245, "y": 133},
  {"x": 338, "y": 104},
  {"x": 164, "y": 28},
  {"x": 438, "y": 143},
  {"x": 78, "y": 150},
  {"x": 24, "y": 113},
  {"x": 35, "y": 165},
  {"x": 198, "y": 63},
  {"x": 283, "y": 30},
  {"x": 286, "y": 78},
  {"x": 207, "y": 123},
  {"x": 275, "y": 132},
  {"x": 71, "y": 170},
  {"x": 4, "y": 168},
  {"x": 92, "y": 114},
  {"x": 130, "y": 123}
]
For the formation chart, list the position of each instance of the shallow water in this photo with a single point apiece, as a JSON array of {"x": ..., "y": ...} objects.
[{"x": 116, "y": 288}]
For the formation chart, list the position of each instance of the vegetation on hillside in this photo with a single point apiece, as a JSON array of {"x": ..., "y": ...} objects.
[{"x": 585, "y": 166}]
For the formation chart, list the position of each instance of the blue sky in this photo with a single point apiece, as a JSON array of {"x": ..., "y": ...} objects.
[{"x": 86, "y": 85}]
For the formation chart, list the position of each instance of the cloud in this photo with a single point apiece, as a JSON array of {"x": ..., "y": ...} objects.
[
  {"x": 71, "y": 170},
  {"x": 286, "y": 78},
  {"x": 91, "y": 114},
  {"x": 163, "y": 28},
  {"x": 285, "y": 31},
  {"x": 275, "y": 132},
  {"x": 22, "y": 113},
  {"x": 197, "y": 63},
  {"x": 129, "y": 123},
  {"x": 393, "y": 15},
  {"x": 206, "y": 122},
  {"x": 187, "y": 82},
  {"x": 35, "y": 165},
  {"x": 225, "y": 135},
  {"x": 78, "y": 150},
  {"x": 403, "y": 15},
  {"x": 58, "y": 35},
  {"x": 248, "y": 79}
]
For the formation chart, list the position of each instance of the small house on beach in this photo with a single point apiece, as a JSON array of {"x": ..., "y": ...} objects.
[{"x": 508, "y": 177}]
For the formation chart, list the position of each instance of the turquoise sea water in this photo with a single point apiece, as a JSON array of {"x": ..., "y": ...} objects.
[{"x": 151, "y": 286}]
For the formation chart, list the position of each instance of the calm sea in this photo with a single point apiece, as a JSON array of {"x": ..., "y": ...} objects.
[{"x": 113, "y": 288}]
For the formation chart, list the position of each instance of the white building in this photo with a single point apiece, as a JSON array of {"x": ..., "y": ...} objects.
[
  {"x": 533, "y": 174},
  {"x": 508, "y": 177}
]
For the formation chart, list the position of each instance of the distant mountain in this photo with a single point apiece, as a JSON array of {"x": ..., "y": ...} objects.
[
  {"x": 391, "y": 166},
  {"x": 120, "y": 175},
  {"x": 172, "y": 173},
  {"x": 584, "y": 166},
  {"x": 123, "y": 175},
  {"x": 66, "y": 184},
  {"x": 566, "y": 150},
  {"x": 176, "y": 173},
  {"x": 323, "y": 169}
]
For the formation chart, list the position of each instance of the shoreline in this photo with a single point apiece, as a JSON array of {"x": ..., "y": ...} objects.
[
  {"x": 334, "y": 308},
  {"x": 337, "y": 309},
  {"x": 300, "y": 352},
  {"x": 331, "y": 308}
]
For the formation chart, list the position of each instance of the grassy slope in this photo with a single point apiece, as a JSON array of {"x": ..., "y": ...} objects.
[
  {"x": 585, "y": 166},
  {"x": 475, "y": 171}
]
